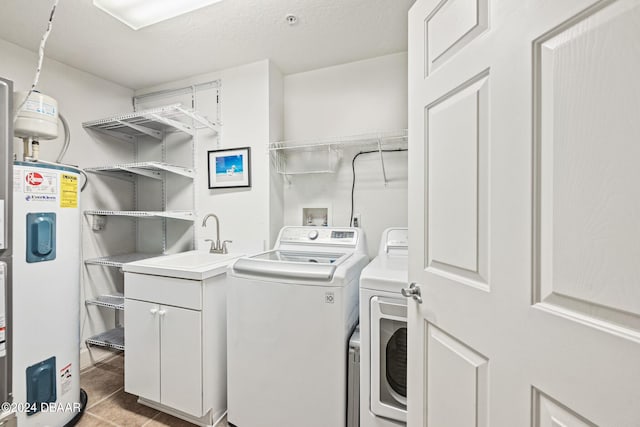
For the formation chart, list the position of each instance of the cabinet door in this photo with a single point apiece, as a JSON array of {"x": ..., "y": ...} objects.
[
  {"x": 142, "y": 344},
  {"x": 181, "y": 355}
]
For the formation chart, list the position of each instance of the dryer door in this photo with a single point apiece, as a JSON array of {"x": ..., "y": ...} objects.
[{"x": 389, "y": 358}]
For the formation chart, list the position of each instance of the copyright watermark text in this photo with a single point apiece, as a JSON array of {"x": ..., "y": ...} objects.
[{"x": 41, "y": 407}]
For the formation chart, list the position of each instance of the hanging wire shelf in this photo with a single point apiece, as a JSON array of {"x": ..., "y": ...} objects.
[
  {"x": 182, "y": 215},
  {"x": 324, "y": 155},
  {"x": 115, "y": 302},
  {"x": 389, "y": 139},
  {"x": 154, "y": 122},
  {"x": 118, "y": 261},
  {"x": 149, "y": 169},
  {"x": 113, "y": 338}
]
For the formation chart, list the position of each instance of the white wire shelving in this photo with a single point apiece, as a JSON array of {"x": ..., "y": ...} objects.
[
  {"x": 323, "y": 155},
  {"x": 113, "y": 338},
  {"x": 118, "y": 261},
  {"x": 115, "y": 302},
  {"x": 153, "y": 122},
  {"x": 154, "y": 125},
  {"x": 181, "y": 215},
  {"x": 153, "y": 170}
]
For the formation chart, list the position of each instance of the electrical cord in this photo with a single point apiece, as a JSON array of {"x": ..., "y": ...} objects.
[
  {"x": 353, "y": 170},
  {"x": 43, "y": 42},
  {"x": 67, "y": 138}
]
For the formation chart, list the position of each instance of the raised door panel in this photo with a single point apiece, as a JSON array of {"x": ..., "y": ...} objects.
[
  {"x": 451, "y": 26},
  {"x": 457, "y": 382},
  {"x": 588, "y": 201},
  {"x": 457, "y": 183},
  {"x": 181, "y": 359},
  {"x": 142, "y": 361},
  {"x": 548, "y": 412}
]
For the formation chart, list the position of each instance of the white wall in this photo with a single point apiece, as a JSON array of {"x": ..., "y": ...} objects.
[
  {"x": 245, "y": 213},
  {"x": 276, "y": 133},
  {"x": 350, "y": 99},
  {"x": 83, "y": 97}
]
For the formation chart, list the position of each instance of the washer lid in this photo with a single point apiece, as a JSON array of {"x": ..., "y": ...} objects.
[{"x": 305, "y": 265}]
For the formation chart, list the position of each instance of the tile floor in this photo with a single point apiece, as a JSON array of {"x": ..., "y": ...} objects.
[{"x": 109, "y": 405}]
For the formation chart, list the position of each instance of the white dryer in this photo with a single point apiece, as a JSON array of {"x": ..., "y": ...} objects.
[
  {"x": 383, "y": 334},
  {"x": 290, "y": 313}
]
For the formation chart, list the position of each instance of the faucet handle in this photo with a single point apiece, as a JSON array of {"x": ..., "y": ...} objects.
[
  {"x": 213, "y": 244},
  {"x": 224, "y": 246}
]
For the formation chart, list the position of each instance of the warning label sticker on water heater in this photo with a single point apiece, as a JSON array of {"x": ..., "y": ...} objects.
[
  {"x": 65, "y": 379},
  {"x": 68, "y": 191}
]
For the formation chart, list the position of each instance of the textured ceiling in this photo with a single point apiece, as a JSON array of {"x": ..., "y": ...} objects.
[{"x": 223, "y": 35}]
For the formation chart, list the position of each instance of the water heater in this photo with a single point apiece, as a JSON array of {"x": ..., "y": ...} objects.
[
  {"x": 46, "y": 294},
  {"x": 38, "y": 117}
]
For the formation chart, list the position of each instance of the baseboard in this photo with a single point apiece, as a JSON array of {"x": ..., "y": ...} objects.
[
  {"x": 205, "y": 421},
  {"x": 89, "y": 357}
]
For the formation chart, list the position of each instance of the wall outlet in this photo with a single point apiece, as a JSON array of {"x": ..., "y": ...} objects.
[{"x": 357, "y": 220}]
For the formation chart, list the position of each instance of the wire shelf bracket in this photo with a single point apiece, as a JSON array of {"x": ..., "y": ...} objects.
[
  {"x": 142, "y": 129},
  {"x": 173, "y": 123},
  {"x": 200, "y": 119},
  {"x": 117, "y": 135},
  {"x": 384, "y": 172}
]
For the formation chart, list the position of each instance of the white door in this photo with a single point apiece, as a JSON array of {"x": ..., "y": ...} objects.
[
  {"x": 181, "y": 356},
  {"x": 524, "y": 126},
  {"x": 142, "y": 341}
]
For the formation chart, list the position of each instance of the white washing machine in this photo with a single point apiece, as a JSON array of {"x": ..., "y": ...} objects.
[
  {"x": 290, "y": 313},
  {"x": 383, "y": 334}
]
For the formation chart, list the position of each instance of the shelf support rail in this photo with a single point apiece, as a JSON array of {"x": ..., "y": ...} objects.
[
  {"x": 384, "y": 172},
  {"x": 142, "y": 129}
]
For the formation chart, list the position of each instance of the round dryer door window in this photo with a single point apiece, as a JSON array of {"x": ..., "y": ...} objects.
[{"x": 396, "y": 362}]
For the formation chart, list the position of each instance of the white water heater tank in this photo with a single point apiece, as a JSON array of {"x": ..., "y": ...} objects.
[{"x": 38, "y": 118}]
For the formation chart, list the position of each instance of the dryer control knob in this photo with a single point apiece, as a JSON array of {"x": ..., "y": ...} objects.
[{"x": 313, "y": 235}]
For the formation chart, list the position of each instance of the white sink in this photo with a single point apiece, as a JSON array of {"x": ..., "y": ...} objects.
[{"x": 194, "y": 265}]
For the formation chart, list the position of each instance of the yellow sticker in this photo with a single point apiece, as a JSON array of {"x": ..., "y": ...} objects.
[{"x": 68, "y": 191}]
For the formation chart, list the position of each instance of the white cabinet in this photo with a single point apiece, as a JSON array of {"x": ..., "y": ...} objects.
[
  {"x": 142, "y": 362},
  {"x": 176, "y": 344},
  {"x": 181, "y": 359},
  {"x": 164, "y": 355}
]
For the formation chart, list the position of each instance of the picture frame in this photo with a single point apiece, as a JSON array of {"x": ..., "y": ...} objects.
[{"x": 229, "y": 168}]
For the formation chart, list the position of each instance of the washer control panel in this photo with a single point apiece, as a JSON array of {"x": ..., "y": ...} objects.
[{"x": 320, "y": 235}]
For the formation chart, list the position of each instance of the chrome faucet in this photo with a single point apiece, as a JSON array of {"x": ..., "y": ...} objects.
[{"x": 216, "y": 247}]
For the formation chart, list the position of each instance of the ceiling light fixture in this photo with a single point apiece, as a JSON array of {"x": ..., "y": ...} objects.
[{"x": 142, "y": 13}]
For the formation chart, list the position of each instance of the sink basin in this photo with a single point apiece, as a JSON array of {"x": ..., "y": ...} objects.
[
  {"x": 193, "y": 259},
  {"x": 194, "y": 265}
]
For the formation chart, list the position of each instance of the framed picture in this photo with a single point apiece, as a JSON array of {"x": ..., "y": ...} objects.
[{"x": 230, "y": 168}]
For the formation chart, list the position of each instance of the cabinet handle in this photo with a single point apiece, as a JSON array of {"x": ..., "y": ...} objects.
[
  {"x": 153, "y": 311},
  {"x": 162, "y": 312}
]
